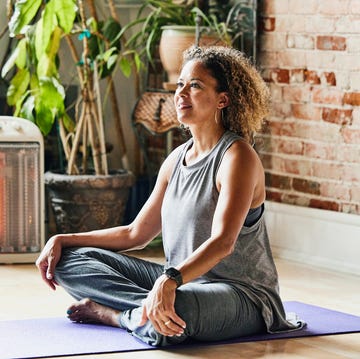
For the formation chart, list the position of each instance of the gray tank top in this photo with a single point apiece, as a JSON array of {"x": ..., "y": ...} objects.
[{"x": 187, "y": 214}]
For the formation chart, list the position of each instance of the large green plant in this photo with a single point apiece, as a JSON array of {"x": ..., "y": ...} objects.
[
  {"x": 222, "y": 17},
  {"x": 36, "y": 90}
]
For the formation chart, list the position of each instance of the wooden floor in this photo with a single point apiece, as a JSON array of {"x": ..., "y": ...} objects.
[{"x": 24, "y": 295}]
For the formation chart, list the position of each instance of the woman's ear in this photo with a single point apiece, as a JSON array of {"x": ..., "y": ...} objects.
[{"x": 223, "y": 100}]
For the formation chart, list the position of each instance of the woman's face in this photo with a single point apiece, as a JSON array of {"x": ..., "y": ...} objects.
[{"x": 196, "y": 98}]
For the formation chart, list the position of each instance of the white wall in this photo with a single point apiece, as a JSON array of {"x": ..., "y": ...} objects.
[{"x": 321, "y": 238}]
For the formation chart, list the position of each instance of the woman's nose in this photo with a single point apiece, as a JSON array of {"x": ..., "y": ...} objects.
[{"x": 182, "y": 91}]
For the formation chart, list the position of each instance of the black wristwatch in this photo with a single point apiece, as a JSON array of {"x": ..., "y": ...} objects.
[{"x": 175, "y": 275}]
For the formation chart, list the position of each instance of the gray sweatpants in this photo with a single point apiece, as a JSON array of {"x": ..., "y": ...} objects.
[{"x": 211, "y": 310}]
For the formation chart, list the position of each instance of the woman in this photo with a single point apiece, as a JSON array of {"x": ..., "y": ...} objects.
[{"x": 220, "y": 280}]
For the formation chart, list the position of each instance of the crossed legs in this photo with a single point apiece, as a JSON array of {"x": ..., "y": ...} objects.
[{"x": 110, "y": 288}]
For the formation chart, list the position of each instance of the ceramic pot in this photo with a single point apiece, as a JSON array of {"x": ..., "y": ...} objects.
[
  {"x": 174, "y": 40},
  {"x": 87, "y": 202}
]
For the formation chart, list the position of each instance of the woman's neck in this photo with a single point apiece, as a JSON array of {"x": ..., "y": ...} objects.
[{"x": 203, "y": 142}]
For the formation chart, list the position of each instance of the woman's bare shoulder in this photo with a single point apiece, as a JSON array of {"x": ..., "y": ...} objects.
[
  {"x": 169, "y": 164},
  {"x": 241, "y": 150}
]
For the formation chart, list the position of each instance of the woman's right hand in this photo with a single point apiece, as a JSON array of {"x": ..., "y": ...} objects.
[{"x": 48, "y": 259}]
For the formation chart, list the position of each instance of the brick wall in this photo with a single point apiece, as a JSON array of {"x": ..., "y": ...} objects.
[{"x": 310, "y": 56}]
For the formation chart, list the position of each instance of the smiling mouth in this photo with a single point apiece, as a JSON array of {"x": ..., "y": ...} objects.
[{"x": 184, "y": 106}]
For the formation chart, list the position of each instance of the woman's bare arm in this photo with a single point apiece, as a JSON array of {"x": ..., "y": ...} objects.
[{"x": 141, "y": 231}]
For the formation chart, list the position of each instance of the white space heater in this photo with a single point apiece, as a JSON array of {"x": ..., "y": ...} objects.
[{"x": 21, "y": 190}]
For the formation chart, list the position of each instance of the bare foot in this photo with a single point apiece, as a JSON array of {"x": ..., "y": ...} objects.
[{"x": 87, "y": 311}]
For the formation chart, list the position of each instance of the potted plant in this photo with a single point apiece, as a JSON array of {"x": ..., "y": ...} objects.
[
  {"x": 181, "y": 23},
  {"x": 37, "y": 93}
]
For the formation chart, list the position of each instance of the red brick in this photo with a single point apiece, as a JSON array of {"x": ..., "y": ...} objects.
[
  {"x": 280, "y": 76},
  {"x": 312, "y": 77},
  {"x": 291, "y": 147},
  {"x": 276, "y": 92},
  {"x": 320, "y": 150},
  {"x": 306, "y": 186},
  {"x": 327, "y": 95},
  {"x": 280, "y": 109},
  {"x": 351, "y": 173},
  {"x": 277, "y": 181},
  {"x": 300, "y": 42},
  {"x": 291, "y": 58},
  {"x": 297, "y": 75},
  {"x": 266, "y": 74},
  {"x": 275, "y": 127},
  {"x": 296, "y": 93},
  {"x": 267, "y": 23},
  {"x": 297, "y": 200},
  {"x": 328, "y": 170},
  {"x": 351, "y": 135},
  {"x": 306, "y": 111},
  {"x": 335, "y": 190},
  {"x": 348, "y": 153},
  {"x": 297, "y": 166},
  {"x": 277, "y": 164},
  {"x": 324, "y": 204},
  {"x": 335, "y": 115},
  {"x": 337, "y": 43},
  {"x": 273, "y": 196},
  {"x": 328, "y": 78},
  {"x": 352, "y": 98}
]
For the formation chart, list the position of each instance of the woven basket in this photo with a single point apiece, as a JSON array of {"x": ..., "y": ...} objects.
[{"x": 156, "y": 112}]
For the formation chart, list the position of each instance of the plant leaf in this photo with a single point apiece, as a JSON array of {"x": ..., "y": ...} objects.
[
  {"x": 22, "y": 55},
  {"x": 18, "y": 57},
  {"x": 68, "y": 122},
  {"x": 111, "y": 62},
  {"x": 48, "y": 104},
  {"x": 125, "y": 67},
  {"x": 44, "y": 29},
  {"x": 138, "y": 62},
  {"x": 47, "y": 62},
  {"x": 18, "y": 86},
  {"x": 9, "y": 64},
  {"x": 24, "y": 12},
  {"x": 65, "y": 12},
  {"x": 45, "y": 66},
  {"x": 44, "y": 118},
  {"x": 27, "y": 108},
  {"x": 111, "y": 30}
]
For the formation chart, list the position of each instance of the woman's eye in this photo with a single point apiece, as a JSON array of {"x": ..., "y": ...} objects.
[{"x": 195, "y": 85}]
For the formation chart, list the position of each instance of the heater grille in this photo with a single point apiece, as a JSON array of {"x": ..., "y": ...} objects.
[
  {"x": 19, "y": 197},
  {"x": 21, "y": 190}
]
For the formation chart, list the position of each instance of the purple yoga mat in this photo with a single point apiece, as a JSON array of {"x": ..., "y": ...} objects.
[{"x": 46, "y": 337}]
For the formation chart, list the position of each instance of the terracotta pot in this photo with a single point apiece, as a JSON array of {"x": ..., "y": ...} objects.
[
  {"x": 174, "y": 40},
  {"x": 87, "y": 202}
]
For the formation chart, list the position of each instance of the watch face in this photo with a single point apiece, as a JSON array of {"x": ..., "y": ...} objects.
[{"x": 172, "y": 272}]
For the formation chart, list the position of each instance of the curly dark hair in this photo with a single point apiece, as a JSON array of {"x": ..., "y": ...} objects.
[{"x": 235, "y": 74}]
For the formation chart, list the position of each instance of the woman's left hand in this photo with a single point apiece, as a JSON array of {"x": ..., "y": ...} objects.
[{"x": 159, "y": 308}]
